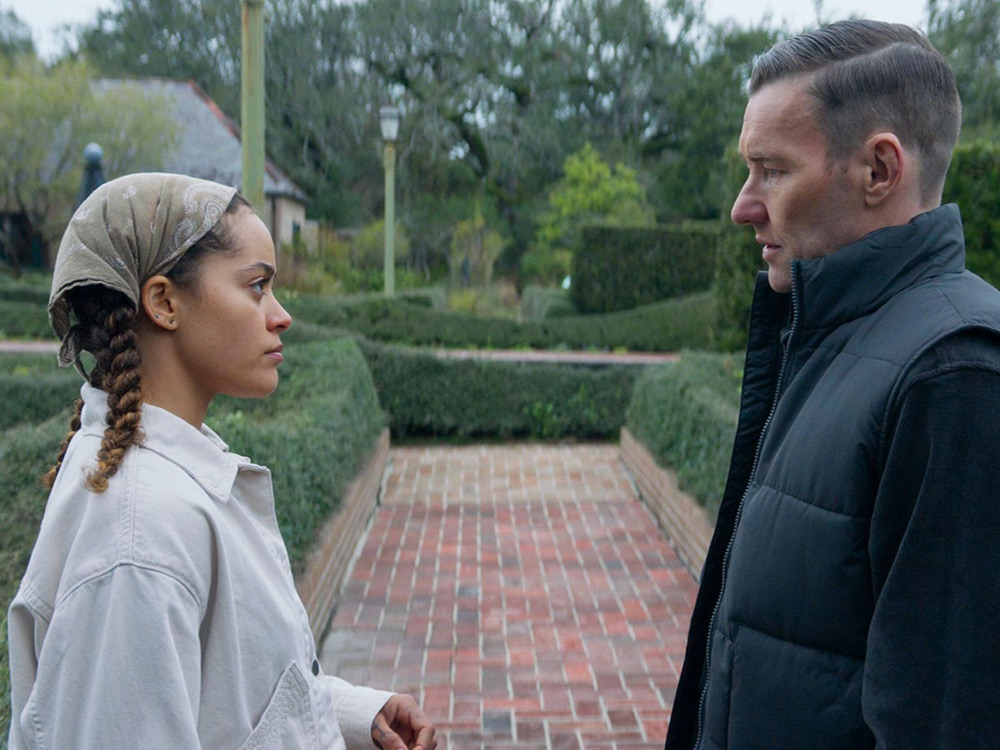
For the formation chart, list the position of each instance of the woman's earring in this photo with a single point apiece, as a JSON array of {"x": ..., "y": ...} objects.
[
  {"x": 157, "y": 317},
  {"x": 171, "y": 321}
]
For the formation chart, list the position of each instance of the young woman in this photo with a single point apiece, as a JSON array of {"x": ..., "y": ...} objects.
[{"x": 158, "y": 608}]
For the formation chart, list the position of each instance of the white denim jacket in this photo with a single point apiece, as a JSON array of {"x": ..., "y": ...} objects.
[{"x": 162, "y": 613}]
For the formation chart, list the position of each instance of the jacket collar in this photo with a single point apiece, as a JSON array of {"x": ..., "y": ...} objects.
[
  {"x": 862, "y": 276},
  {"x": 200, "y": 453}
]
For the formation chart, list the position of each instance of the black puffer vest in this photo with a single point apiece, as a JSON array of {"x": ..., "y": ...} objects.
[{"x": 781, "y": 620}]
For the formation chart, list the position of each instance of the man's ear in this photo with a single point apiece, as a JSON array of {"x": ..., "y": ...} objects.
[
  {"x": 159, "y": 302},
  {"x": 885, "y": 163}
]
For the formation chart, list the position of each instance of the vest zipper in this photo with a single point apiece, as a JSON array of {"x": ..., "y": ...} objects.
[{"x": 739, "y": 508}]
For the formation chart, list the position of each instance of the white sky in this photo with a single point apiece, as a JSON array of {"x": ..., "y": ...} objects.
[{"x": 45, "y": 16}]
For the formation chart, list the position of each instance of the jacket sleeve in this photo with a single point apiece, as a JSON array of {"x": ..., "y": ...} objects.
[
  {"x": 933, "y": 660},
  {"x": 119, "y": 665},
  {"x": 356, "y": 709}
]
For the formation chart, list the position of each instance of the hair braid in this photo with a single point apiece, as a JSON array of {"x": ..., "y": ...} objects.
[
  {"x": 106, "y": 330},
  {"x": 74, "y": 424},
  {"x": 121, "y": 381}
]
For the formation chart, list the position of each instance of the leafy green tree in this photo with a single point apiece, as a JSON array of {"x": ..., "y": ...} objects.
[
  {"x": 197, "y": 39},
  {"x": 15, "y": 36},
  {"x": 48, "y": 116},
  {"x": 685, "y": 165},
  {"x": 967, "y": 32},
  {"x": 590, "y": 192},
  {"x": 475, "y": 249}
]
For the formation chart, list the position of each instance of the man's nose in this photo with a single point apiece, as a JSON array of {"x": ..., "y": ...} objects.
[{"x": 748, "y": 209}]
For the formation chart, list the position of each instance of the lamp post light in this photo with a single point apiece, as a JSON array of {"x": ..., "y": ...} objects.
[
  {"x": 93, "y": 172},
  {"x": 389, "y": 120}
]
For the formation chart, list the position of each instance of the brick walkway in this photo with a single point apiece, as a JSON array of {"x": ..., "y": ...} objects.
[{"x": 523, "y": 595}]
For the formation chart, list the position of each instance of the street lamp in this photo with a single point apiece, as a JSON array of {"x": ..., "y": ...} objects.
[
  {"x": 389, "y": 120},
  {"x": 93, "y": 172}
]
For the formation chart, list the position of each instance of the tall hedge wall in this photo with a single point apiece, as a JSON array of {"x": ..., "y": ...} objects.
[
  {"x": 973, "y": 183},
  {"x": 619, "y": 268},
  {"x": 735, "y": 272}
]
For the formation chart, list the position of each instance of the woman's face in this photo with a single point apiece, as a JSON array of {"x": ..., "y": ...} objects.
[{"x": 230, "y": 322}]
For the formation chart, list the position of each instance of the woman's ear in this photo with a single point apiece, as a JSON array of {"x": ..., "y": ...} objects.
[
  {"x": 159, "y": 302},
  {"x": 886, "y": 165}
]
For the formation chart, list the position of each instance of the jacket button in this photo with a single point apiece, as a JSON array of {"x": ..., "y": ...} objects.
[{"x": 315, "y": 667}]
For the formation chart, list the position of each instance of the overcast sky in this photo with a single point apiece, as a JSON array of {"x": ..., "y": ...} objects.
[{"x": 45, "y": 16}]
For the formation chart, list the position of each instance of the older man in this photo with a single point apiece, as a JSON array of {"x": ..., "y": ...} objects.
[{"x": 851, "y": 594}]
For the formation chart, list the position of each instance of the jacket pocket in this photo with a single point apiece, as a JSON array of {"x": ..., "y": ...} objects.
[
  {"x": 794, "y": 697},
  {"x": 287, "y": 722}
]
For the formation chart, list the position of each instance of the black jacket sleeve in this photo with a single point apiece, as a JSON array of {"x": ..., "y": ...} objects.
[{"x": 932, "y": 672}]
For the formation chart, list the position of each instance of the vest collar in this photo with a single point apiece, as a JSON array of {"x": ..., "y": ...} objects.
[{"x": 862, "y": 276}]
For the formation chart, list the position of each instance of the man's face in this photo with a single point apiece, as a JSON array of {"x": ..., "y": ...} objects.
[{"x": 801, "y": 204}]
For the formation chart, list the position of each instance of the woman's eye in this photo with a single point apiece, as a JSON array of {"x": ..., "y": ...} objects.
[{"x": 259, "y": 286}]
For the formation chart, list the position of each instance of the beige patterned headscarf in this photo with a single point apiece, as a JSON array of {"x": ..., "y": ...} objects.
[{"x": 127, "y": 231}]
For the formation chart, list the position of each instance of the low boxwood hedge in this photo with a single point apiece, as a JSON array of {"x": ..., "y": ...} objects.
[
  {"x": 685, "y": 413},
  {"x": 428, "y": 396},
  {"x": 34, "y": 388},
  {"x": 675, "y": 324},
  {"x": 24, "y": 319},
  {"x": 314, "y": 433}
]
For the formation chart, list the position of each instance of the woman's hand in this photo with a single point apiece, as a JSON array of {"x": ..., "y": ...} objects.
[{"x": 401, "y": 725}]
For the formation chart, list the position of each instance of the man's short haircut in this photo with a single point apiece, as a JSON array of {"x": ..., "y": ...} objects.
[{"x": 872, "y": 76}]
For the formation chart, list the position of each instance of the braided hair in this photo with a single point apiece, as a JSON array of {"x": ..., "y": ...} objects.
[{"x": 105, "y": 327}]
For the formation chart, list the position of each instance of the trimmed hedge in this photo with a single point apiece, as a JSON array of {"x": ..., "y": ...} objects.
[
  {"x": 34, "y": 388},
  {"x": 620, "y": 268},
  {"x": 973, "y": 183},
  {"x": 684, "y": 322},
  {"x": 685, "y": 413},
  {"x": 429, "y": 396},
  {"x": 736, "y": 271},
  {"x": 25, "y": 319},
  {"x": 314, "y": 432}
]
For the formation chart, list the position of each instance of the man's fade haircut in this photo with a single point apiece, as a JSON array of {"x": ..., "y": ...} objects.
[{"x": 870, "y": 76}]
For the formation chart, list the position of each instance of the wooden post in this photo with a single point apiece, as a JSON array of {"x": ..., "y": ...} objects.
[{"x": 252, "y": 110}]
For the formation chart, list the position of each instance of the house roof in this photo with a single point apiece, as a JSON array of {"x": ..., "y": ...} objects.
[{"x": 208, "y": 144}]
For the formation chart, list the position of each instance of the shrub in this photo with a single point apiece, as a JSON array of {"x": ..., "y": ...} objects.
[
  {"x": 26, "y": 319},
  {"x": 427, "y": 395},
  {"x": 314, "y": 433},
  {"x": 665, "y": 326},
  {"x": 974, "y": 183},
  {"x": 737, "y": 265},
  {"x": 541, "y": 302},
  {"x": 685, "y": 413},
  {"x": 590, "y": 191},
  {"x": 618, "y": 268},
  {"x": 34, "y": 388}
]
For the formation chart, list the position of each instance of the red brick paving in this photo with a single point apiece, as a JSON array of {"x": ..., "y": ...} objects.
[{"x": 523, "y": 594}]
